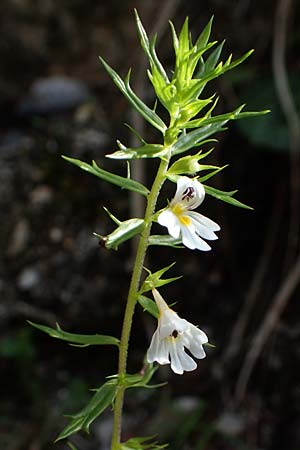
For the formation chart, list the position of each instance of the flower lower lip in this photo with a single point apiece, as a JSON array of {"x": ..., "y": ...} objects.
[{"x": 182, "y": 221}]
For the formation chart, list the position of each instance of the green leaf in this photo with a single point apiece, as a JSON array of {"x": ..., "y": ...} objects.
[
  {"x": 182, "y": 53},
  {"x": 97, "y": 398},
  {"x": 81, "y": 339},
  {"x": 136, "y": 133},
  {"x": 141, "y": 443},
  {"x": 250, "y": 114},
  {"x": 164, "y": 241},
  {"x": 154, "y": 280},
  {"x": 105, "y": 397},
  {"x": 225, "y": 197},
  {"x": 216, "y": 119},
  {"x": 141, "y": 379},
  {"x": 196, "y": 58},
  {"x": 146, "y": 151},
  {"x": 211, "y": 174},
  {"x": 191, "y": 109},
  {"x": 149, "y": 48},
  {"x": 223, "y": 68},
  {"x": 165, "y": 92},
  {"x": 204, "y": 36},
  {"x": 126, "y": 230},
  {"x": 135, "y": 101},
  {"x": 125, "y": 183},
  {"x": 101, "y": 400},
  {"x": 208, "y": 71},
  {"x": 174, "y": 36},
  {"x": 189, "y": 140},
  {"x": 184, "y": 40},
  {"x": 213, "y": 58},
  {"x": 73, "y": 427},
  {"x": 233, "y": 115},
  {"x": 148, "y": 305}
]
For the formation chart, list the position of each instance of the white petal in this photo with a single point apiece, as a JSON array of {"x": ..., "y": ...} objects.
[
  {"x": 153, "y": 348},
  {"x": 205, "y": 221},
  {"x": 163, "y": 353},
  {"x": 158, "y": 350},
  {"x": 170, "y": 322},
  {"x": 192, "y": 241},
  {"x": 198, "y": 334},
  {"x": 197, "y": 350},
  {"x": 190, "y": 193},
  {"x": 176, "y": 365},
  {"x": 182, "y": 184},
  {"x": 202, "y": 230},
  {"x": 187, "y": 362},
  {"x": 199, "y": 196},
  {"x": 193, "y": 340},
  {"x": 168, "y": 219},
  {"x": 182, "y": 325}
]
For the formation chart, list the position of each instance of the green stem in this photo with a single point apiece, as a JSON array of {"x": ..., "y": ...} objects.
[{"x": 132, "y": 299}]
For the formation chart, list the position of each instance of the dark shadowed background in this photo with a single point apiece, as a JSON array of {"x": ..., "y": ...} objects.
[{"x": 55, "y": 98}]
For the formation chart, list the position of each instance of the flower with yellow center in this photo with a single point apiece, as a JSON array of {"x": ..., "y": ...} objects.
[
  {"x": 172, "y": 336},
  {"x": 181, "y": 220}
]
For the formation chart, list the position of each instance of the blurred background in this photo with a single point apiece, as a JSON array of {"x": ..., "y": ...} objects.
[{"x": 55, "y": 98}]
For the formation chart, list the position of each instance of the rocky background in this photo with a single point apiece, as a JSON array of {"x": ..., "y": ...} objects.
[{"x": 55, "y": 98}]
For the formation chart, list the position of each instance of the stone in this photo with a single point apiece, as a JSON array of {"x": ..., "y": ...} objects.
[
  {"x": 230, "y": 424},
  {"x": 28, "y": 279},
  {"x": 53, "y": 94}
]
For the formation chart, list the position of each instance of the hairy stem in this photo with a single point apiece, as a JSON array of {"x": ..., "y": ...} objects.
[{"x": 132, "y": 299}]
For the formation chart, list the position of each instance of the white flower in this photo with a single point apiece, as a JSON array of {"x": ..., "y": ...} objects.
[
  {"x": 180, "y": 219},
  {"x": 172, "y": 336}
]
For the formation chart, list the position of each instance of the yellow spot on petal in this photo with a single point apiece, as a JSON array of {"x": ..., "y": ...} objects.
[
  {"x": 177, "y": 209},
  {"x": 185, "y": 220}
]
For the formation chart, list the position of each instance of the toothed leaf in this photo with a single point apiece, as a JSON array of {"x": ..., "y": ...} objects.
[
  {"x": 189, "y": 140},
  {"x": 125, "y": 183},
  {"x": 146, "y": 151},
  {"x": 225, "y": 197},
  {"x": 135, "y": 101},
  {"x": 74, "y": 338}
]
